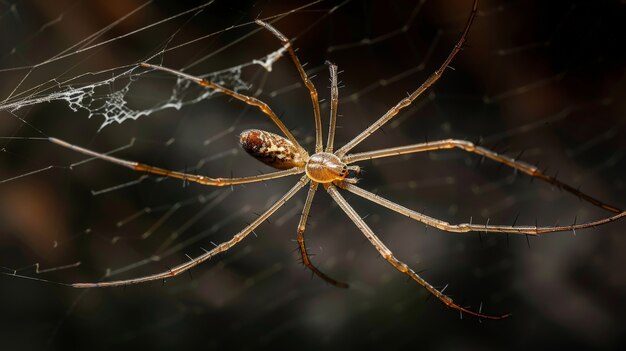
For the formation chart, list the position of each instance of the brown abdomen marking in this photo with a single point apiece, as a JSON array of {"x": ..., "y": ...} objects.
[{"x": 271, "y": 149}]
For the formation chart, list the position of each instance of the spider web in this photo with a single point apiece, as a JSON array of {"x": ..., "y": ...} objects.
[
  {"x": 547, "y": 80},
  {"x": 108, "y": 98}
]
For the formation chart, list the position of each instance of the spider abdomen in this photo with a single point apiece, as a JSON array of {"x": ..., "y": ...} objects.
[{"x": 271, "y": 149}]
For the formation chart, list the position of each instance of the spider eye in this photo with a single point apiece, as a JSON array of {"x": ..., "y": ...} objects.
[{"x": 344, "y": 171}]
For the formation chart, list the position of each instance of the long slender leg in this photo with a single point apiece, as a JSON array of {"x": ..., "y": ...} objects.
[
  {"x": 409, "y": 99},
  {"x": 334, "y": 101},
  {"x": 470, "y": 147},
  {"x": 302, "y": 246},
  {"x": 244, "y": 98},
  {"x": 305, "y": 79},
  {"x": 470, "y": 227},
  {"x": 175, "y": 174},
  {"x": 208, "y": 254},
  {"x": 388, "y": 255}
]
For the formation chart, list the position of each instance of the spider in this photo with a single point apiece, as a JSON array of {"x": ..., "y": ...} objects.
[{"x": 334, "y": 170}]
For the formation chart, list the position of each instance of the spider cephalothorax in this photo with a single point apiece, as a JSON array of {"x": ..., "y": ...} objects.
[{"x": 325, "y": 167}]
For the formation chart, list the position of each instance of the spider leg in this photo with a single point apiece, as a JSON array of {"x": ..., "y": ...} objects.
[
  {"x": 470, "y": 147},
  {"x": 334, "y": 101},
  {"x": 244, "y": 98},
  {"x": 415, "y": 94},
  {"x": 305, "y": 79},
  {"x": 175, "y": 174},
  {"x": 208, "y": 254},
  {"x": 388, "y": 255},
  {"x": 301, "y": 228},
  {"x": 470, "y": 227}
]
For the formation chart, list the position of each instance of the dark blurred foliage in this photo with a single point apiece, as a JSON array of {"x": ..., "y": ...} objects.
[{"x": 545, "y": 78}]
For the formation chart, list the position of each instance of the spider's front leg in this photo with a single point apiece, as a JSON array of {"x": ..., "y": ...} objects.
[
  {"x": 472, "y": 227},
  {"x": 407, "y": 101},
  {"x": 468, "y": 146}
]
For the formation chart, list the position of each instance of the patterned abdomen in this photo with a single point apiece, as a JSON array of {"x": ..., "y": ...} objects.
[{"x": 271, "y": 149}]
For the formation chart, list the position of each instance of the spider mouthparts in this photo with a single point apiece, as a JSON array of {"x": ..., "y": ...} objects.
[
  {"x": 353, "y": 181},
  {"x": 355, "y": 169}
]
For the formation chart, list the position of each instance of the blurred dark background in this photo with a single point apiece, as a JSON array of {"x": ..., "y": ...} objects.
[{"x": 542, "y": 78}]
